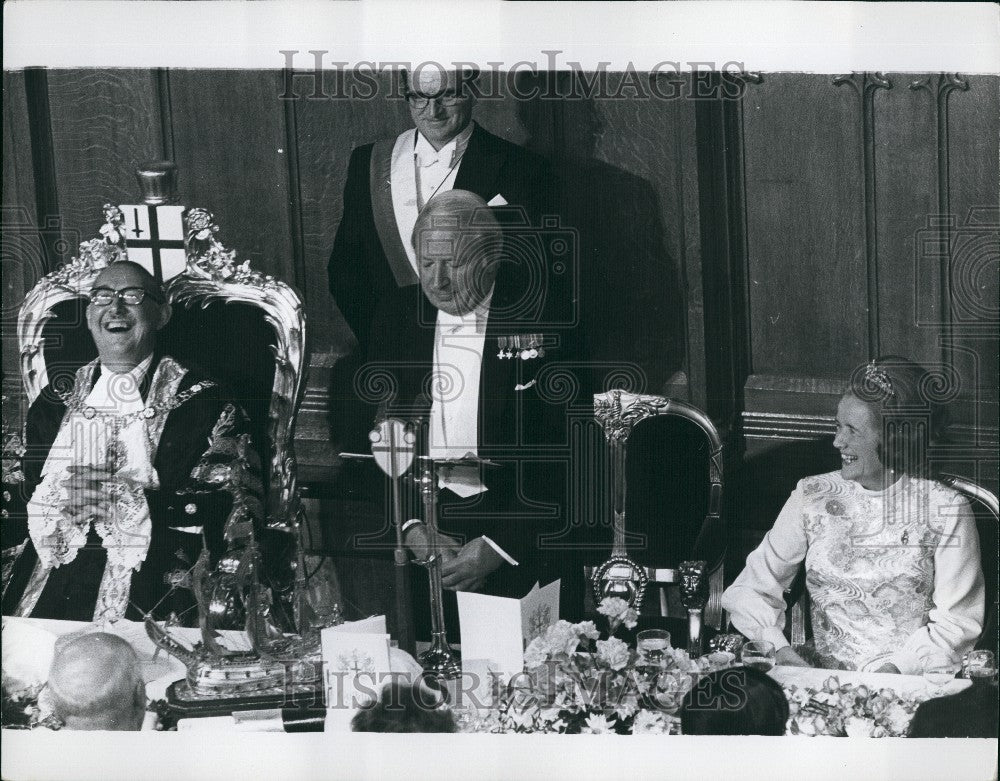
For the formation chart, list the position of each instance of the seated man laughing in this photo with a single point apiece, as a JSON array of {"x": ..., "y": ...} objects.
[{"x": 114, "y": 517}]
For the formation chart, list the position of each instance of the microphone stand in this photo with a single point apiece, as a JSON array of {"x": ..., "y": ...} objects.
[
  {"x": 404, "y": 615},
  {"x": 439, "y": 660}
]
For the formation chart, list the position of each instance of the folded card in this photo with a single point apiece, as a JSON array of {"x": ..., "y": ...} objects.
[
  {"x": 499, "y": 628},
  {"x": 355, "y": 665}
]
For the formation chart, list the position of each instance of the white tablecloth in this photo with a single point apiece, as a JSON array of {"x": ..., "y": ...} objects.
[
  {"x": 42, "y": 754},
  {"x": 905, "y": 685}
]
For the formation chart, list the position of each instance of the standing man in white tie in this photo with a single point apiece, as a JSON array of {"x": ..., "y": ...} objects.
[
  {"x": 483, "y": 351},
  {"x": 389, "y": 182}
]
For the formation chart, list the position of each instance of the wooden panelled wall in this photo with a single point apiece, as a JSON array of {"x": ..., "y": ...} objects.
[{"x": 742, "y": 252}]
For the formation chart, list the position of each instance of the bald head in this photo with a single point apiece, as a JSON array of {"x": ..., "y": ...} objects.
[
  {"x": 457, "y": 241},
  {"x": 95, "y": 683}
]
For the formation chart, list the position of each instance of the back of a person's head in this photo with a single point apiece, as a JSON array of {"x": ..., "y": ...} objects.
[
  {"x": 95, "y": 683},
  {"x": 737, "y": 701},
  {"x": 405, "y": 707},
  {"x": 972, "y": 713}
]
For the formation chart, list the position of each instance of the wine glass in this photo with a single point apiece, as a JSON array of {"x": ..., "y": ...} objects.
[
  {"x": 980, "y": 666},
  {"x": 758, "y": 654},
  {"x": 939, "y": 670},
  {"x": 652, "y": 645}
]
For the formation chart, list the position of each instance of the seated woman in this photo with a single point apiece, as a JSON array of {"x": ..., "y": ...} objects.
[{"x": 891, "y": 556}]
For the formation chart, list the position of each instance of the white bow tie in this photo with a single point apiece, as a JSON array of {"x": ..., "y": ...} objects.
[{"x": 427, "y": 159}]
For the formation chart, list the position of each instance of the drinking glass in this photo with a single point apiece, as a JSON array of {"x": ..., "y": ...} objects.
[
  {"x": 938, "y": 671},
  {"x": 758, "y": 654},
  {"x": 652, "y": 645},
  {"x": 980, "y": 666}
]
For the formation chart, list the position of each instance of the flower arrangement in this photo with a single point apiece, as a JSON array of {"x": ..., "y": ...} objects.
[
  {"x": 575, "y": 682},
  {"x": 849, "y": 710},
  {"x": 24, "y": 711}
]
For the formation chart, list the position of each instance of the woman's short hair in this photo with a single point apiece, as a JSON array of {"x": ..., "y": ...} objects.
[
  {"x": 737, "y": 701},
  {"x": 405, "y": 707},
  {"x": 908, "y": 402}
]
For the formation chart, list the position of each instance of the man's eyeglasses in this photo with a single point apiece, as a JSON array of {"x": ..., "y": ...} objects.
[
  {"x": 133, "y": 296},
  {"x": 447, "y": 100}
]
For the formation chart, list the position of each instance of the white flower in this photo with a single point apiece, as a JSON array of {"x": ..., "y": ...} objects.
[
  {"x": 648, "y": 722},
  {"x": 536, "y": 653},
  {"x": 598, "y": 724},
  {"x": 627, "y": 706},
  {"x": 613, "y": 652},
  {"x": 897, "y": 718},
  {"x": 804, "y": 725},
  {"x": 548, "y": 715},
  {"x": 523, "y": 719},
  {"x": 562, "y": 637},
  {"x": 681, "y": 660},
  {"x": 858, "y": 727},
  {"x": 587, "y": 629},
  {"x": 618, "y": 611}
]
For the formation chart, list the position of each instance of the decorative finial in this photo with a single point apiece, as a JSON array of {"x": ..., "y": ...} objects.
[{"x": 158, "y": 181}]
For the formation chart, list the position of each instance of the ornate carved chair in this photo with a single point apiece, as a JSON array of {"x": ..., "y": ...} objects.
[
  {"x": 986, "y": 508},
  {"x": 666, "y": 465},
  {"x": 245, "y": 329}
]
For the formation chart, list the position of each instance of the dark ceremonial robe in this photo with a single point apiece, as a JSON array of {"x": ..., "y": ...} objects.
[
  {"x": 525, "y": 431},
  {"x": 363, "y": 269},
  {"x": 202, "y": 430}
]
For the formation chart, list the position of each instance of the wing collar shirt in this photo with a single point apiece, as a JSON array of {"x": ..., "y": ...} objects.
[
  {"x": 125, "y": 528},
  {"x": 459, "y": 341},
  {"x": 418, "y": 172}
]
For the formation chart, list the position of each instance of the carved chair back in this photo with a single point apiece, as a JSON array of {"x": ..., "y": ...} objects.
[
  {"x": 243, "y": 328},
  {"x": 668, "y": 490}
]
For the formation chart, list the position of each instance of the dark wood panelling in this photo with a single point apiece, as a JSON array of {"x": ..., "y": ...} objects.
[
  {"x": 906, "y": 189},
  {"x": 104, "y": 124},
  {"x": 229, "y": 144},
  {"x": 805, "y": 225},
  {"x": 328, "y": 129},
  {"x": 23, "y": 259},
  {"x": 622, "y": 163},
  {"x": 973, "y": 129}
]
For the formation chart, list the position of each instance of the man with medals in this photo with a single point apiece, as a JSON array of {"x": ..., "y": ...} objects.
[
  {"x": 115, "y": 520},
  {"x": 481, "y": 356}
]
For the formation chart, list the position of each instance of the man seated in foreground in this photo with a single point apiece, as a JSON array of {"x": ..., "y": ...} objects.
[
  {"x": 96, "y": 683},
  {"x": 115, "y": 519}
]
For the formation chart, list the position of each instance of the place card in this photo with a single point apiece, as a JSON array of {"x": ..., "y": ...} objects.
[
  {"x": 499, "y": 628},
  {"x": 355, "y": 665}
]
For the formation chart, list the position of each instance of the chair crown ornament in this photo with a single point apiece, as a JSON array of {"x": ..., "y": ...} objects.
[{"x": 210, "y": 274}]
